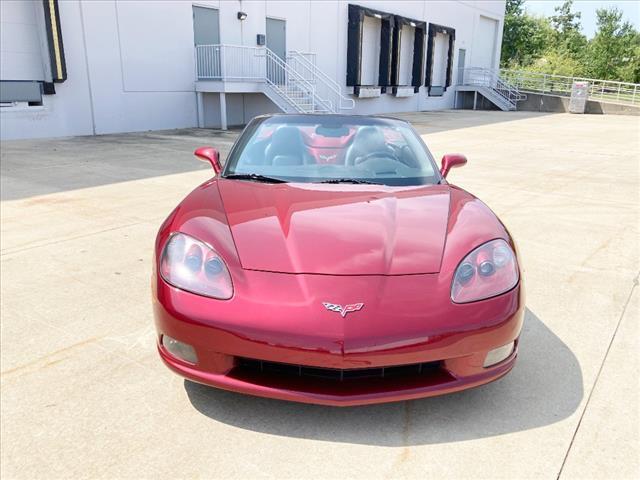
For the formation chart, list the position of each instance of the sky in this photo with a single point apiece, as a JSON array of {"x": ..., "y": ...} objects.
[{"x": 630, "y": 11}]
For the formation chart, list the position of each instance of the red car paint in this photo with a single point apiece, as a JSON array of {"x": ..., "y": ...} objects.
[
  {"x": 333, "y": 230},
  {"x": 327, "y": 150},
  {"x": 292, "y": 247}
]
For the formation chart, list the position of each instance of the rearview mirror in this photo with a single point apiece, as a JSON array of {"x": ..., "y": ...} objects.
[
  {"x": 451, "y": 160},
  {"x": 211, "y": 155}
]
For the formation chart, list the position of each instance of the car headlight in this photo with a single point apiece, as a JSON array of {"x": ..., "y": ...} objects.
[
  {"x": 489, "y": 270},
  {"x": 191, "y": 265}
]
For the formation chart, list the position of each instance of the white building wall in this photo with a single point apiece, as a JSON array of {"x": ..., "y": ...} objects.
[
  {"x": 69, "y": 111},
  {"x": 131, "y": 67},
  {"x": 241, "y": 108},
  {"x": 140, "y": 58}
]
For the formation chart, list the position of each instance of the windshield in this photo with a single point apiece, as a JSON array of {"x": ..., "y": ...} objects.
[{"x": 331, "y": 149}]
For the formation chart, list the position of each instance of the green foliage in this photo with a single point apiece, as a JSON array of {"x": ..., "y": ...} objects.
[
  {"x": 567, "y": 39},
  {"x": 556, "y": 45},
  {"x": 614, "y": 52},
  {"x": 558, "y": 63},
  {"x": 525, "y": 37},
  {"x": 565, "y": 20}
]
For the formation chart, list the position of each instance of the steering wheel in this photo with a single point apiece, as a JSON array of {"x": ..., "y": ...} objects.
[
  {"x": 371, "y": 155},
  {"x": 408, "y": 158},
  {"x": 380, "y": 165}
]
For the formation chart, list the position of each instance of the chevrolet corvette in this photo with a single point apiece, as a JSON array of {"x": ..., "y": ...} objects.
[{"x": 330, "y": 261}]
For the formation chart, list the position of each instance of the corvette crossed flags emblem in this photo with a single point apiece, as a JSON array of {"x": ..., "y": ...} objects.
[{"x": 354, "y": 307}]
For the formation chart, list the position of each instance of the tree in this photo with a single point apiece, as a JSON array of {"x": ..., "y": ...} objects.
[
  {"x": 630, "y": 71},
  {"x": 557, "y": 63},
  {"x": 565, "y": 20},
  {"x": 614, "y": 52},
  {"x": 556, "y": 44},
  {"x": 512, "y": 41},
  {"x": 568, "y": 40},
  {"x": 525, "y": 37}
]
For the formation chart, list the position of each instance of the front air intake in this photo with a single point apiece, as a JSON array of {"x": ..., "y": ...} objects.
[{"x": 291, "y": 370}]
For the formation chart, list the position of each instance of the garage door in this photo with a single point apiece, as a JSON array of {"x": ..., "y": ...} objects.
[
  {"x": 370, "y": 50},
  {"x": 406, "y": 54},
  {"x": 440, "y": 60},
  {"x": 484, "y": 46},
  {"x": 20, "y": 54}
]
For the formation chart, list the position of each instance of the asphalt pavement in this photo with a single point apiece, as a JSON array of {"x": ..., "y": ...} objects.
[{"x": 84, "y": 394}]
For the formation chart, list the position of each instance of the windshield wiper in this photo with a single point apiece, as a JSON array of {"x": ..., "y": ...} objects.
[
  {"x": 255, "y": 177},
  {"x": 349, "y": 180}
]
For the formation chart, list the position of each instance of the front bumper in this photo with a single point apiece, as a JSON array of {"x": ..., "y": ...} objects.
[
  {"x": 287, "y": 326},
  {"x": 344, "y": 393}
]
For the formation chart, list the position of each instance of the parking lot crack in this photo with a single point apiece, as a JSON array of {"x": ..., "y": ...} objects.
[
  {"x": 46, "y": 360},
  {"x": 604, "y": 359},
  {"x": 405, "y": 453},
  {"x": 66, "y": 239}
]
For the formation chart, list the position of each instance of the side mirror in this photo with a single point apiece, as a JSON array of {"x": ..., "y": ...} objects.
[
  {"x": 211, "y": 155},
  {"x": 451, "y": 160}
]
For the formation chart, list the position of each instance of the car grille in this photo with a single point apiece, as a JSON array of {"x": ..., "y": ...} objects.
[{"x": 290, "y": 370}]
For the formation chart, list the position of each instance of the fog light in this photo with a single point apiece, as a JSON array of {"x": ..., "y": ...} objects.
[
  {"x": 497, "y": 355},
  {"x": 180, "y": 350}
]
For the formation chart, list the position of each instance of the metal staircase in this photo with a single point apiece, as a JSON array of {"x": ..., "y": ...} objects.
[
  {"x": 294, "y": 84},
  {"x": 325, "y": 86},
  {"x": 490, "y": 85}
]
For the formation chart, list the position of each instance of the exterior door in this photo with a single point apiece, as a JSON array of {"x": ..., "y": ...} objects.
[
  {"x": 276, "y": 42},
  {"x": 206, "y": 33},
  {"x": 462, "y": 53}
]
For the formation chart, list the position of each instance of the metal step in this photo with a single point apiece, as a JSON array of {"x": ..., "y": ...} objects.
[{"x": 495, "y": 98}]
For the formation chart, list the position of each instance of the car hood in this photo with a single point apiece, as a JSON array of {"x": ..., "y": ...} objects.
[{"x": 337, "y": 229}]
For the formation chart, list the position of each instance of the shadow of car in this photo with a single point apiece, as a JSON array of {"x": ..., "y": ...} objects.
[{"x": 544, "y": 387}]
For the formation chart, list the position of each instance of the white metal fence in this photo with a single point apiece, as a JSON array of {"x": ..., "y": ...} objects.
[
  {"x": 606, "y": 90},
  {"x": 230, "y": 62},
  {"x": 297, "y": 80},
  {"x": 489, "y": 78}
]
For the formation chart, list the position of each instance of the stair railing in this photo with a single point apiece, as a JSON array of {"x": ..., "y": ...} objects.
[
  {"x": 491, "y": 79},
  {"x": 292, "y": 83},
  {"x": 328, "y": 88},
  {"x": 299, "y": 92},
  {"x": 229, "y": 62}
]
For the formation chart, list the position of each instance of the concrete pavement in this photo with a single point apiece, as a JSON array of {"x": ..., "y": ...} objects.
[{"x": 83, "y": 394}]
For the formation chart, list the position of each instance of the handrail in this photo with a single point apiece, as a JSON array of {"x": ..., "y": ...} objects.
[
  {"x": 576, "y": 78},
  {"x": 330, "y": 82},
  {"x": 285, "y": 73},
  {"x": 485, "y": 77},
  {"x": 230, "y": 62},
  {"x": 260, "y": 64},
  {"x": 607, "y": 90}
]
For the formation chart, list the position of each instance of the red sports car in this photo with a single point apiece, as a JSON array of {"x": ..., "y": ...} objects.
[{"x": 330, "y": 262}]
